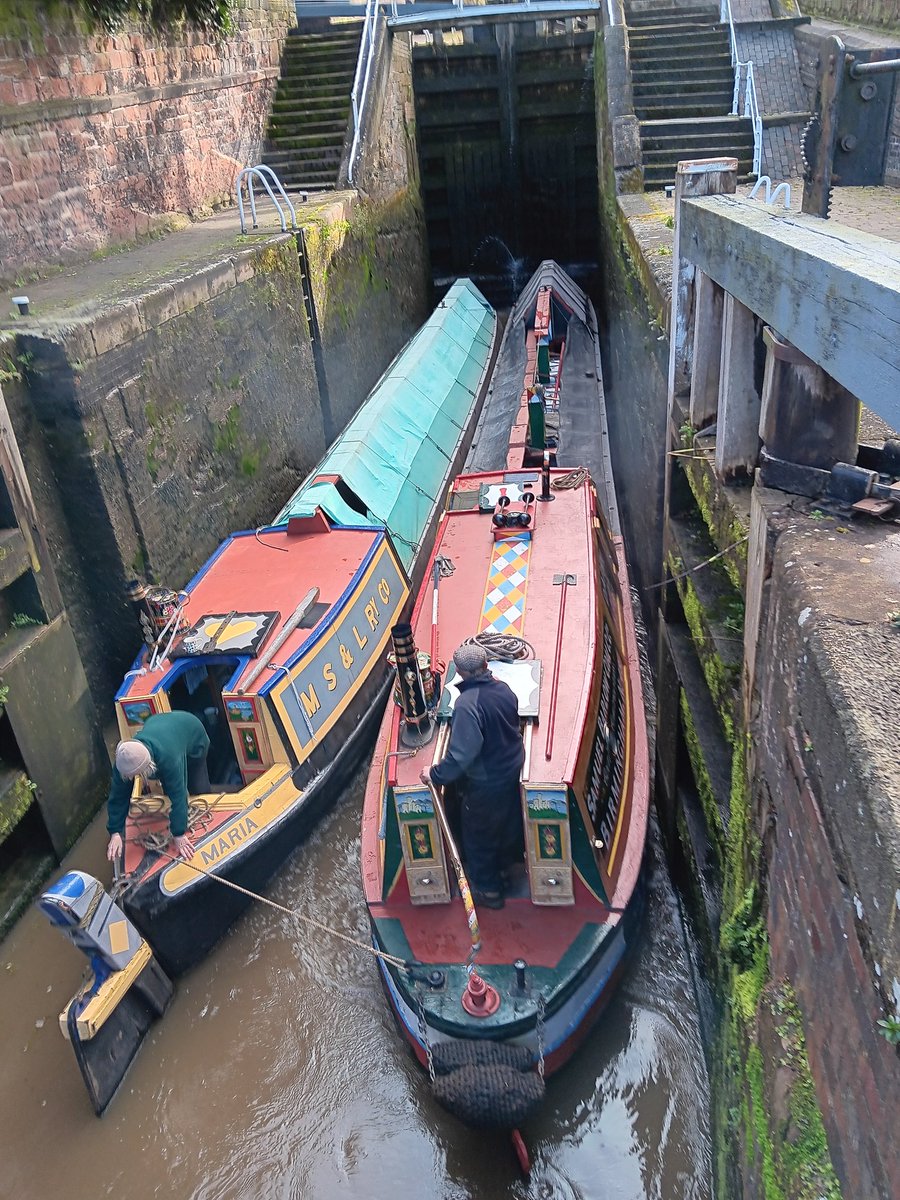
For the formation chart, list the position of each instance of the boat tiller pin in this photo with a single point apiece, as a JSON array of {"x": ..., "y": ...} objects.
[
  {"x": 125, "y": 992},
  {"x": 546, "y": 494},
  {"x": 480, "y": 999}
]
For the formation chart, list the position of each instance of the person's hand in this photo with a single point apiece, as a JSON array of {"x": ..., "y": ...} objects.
[
  {"x": 184, "y": 847},
  {"x": 425, "y": 776},
  {"x": 115, "y": 847}
]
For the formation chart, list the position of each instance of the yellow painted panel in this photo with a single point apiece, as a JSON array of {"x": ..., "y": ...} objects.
[
  {"x": 118, "y": 937},
  {"x": 264, "y": 799},
  {"x": 110, "y": 994}
]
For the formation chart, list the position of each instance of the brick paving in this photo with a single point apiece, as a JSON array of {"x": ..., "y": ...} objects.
[
  {"x": 751, "y": 10},
  {"x": 776, "y": 69},
  {"x": 781, "y": 151}
]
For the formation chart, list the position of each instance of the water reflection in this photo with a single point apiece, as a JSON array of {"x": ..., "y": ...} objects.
[{"x": 279, "y": 1073}]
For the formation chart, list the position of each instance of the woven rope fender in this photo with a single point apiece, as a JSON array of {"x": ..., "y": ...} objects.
[
  {"x": 450, "y": 1056},
  {"x": 485, "y": 1084}
]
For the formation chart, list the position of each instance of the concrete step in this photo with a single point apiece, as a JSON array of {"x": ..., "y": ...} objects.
[
  {"x": 652, "y": 69},
  {"x": 337, "y": 39},
  {"x": 684, "y": 58},
  {"x": 276, "y": 132},
  {"x": 315, "y": 156},
  {"x": 696, "y": 106},
  {"x": 333, "y": 131},
  {"x": 652, "y": 16},
  {"x": 312, "y": 89},
  {"x": 656, "y": 180},
  {"x": 697, "y": 145},
  {"x": 664, "y": 27},
  {"x": 314, "y": 104},
  {"x": 302, "y": 67},
  {"x": 287, "y": 148},
  {"x": 682, "y": 87},
  {"x": 674, "y": 154},
  {"x": 703, "y": 35},
  {"x": 702, "y": 126},
  {"x": 313, "y": 181}
]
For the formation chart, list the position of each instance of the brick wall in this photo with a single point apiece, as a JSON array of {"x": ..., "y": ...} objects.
[{"x": 101, "y": 136}]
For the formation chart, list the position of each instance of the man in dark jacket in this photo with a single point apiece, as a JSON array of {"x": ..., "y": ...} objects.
[
  {"x": 172, "y": 748},
  {"x": 485, "y": 754}
]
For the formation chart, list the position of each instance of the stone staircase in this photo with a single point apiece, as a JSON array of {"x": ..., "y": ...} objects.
[
  {"x": 311, "y": 110},
  {"x": 682, "y": 84}
]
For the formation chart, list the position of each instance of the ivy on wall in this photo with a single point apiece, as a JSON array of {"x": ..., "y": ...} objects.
[
  {"x": 18, "y": 17},
  {"x": 212, "y": 15}
]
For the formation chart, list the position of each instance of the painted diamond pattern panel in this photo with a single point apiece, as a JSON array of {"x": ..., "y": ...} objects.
[{"x": 504, "y": 600}]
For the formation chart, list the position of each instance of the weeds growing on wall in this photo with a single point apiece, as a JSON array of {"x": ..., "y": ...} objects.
[{"x": 213, "y": 16}]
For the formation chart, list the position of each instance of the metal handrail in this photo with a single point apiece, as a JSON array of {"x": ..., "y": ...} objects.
[
  {"x": 261, "y": 171},
  {"x": 358, "y": 96},
  {"x": 744, "y": 87}
]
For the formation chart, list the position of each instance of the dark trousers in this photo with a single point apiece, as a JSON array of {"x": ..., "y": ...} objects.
[
  {"x": 492, "y": 835},
  {"x": 198, "y": 776}
]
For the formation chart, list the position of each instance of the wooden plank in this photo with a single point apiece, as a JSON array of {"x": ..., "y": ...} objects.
[
  {"x": 832, "y": 291},
  {"x": 758, "y": 565},
  {"x": 705, "y": 177},
  {"x": 13, "y": 470},
  {"x": 707, "y": 355},
  {"x": 737, "y": 430}
]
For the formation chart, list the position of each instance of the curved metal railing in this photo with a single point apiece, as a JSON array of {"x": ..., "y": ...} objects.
[
  {"x": 372, "y": 21},
  {"x": 261, "y": 171},
  {"x": 744, "y": 101}
]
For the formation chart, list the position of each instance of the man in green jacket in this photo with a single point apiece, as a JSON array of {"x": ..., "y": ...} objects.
[{"x": 172, "y": 748}]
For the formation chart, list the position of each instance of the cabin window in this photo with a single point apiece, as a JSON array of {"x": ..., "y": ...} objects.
[
  {"x": 607, "y": 770},
  {"x": 197, "y": 689}
]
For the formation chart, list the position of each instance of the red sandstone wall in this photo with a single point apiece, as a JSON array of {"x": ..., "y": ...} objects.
[
  {"x": 831, "y": 916},
  {"x": 101, "y": 136}
]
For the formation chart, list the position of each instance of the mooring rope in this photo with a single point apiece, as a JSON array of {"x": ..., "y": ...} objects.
[
  {"x": 392, "y": 959},
  {"x": 572, "y": 479},
  {"x": 700, "y": 566}
]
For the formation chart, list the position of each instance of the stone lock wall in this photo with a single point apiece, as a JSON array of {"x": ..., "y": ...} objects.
[
  {"x": 103, "y": 137},
  {"x": 155, "y": 429},
  {"x": 880, "y": 13},
  {"x": 827, "y": 779},
  {"x": 369, "y": 260}
]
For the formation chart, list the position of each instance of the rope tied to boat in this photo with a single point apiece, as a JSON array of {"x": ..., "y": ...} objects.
[
  {"x": 294, "y": 913},
  {"x": 152, "y": 807}
]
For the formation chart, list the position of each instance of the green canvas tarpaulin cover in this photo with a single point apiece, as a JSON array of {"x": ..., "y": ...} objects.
[{"x": 395, "y": 454}]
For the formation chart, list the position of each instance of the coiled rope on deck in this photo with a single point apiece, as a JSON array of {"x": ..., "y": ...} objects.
[
  {"x": 572, "y": 479},
  {"x": 151, "y": 807},
  {"x": 502, "y": 647}
]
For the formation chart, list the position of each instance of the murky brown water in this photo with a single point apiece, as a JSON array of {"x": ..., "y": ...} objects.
[{"x": 278, "y": 1071}]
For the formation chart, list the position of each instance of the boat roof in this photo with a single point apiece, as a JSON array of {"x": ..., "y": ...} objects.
[
  {"x": 512, "y": 585},
  {"x": 584, "y": 436},
  {"x": 253, "y": 575},
  {"x": 389, "y": 464}
]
